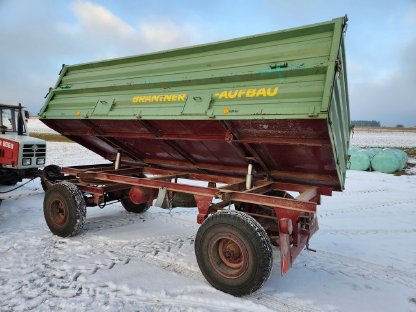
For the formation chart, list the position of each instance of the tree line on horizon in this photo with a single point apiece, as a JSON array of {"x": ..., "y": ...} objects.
[{"x": 366, "y": 123}]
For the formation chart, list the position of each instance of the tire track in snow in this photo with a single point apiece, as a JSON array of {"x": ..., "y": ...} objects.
[
  {"x": 398, "y": 203},
  {"x": 361, "y": 192},
  {"x": 349, "y": 232},
  {"x": 154, "y": 251},
  {"x": 21, "y": 193},
  {"x": 99, "y": 223},
  {"x": 336, "y": 264},
  {"x": 161, "y": 251},
  {"x": 94, "y": 225},
  {"x": 54, "y": 278},
  {"x": 277, "y": 302}
]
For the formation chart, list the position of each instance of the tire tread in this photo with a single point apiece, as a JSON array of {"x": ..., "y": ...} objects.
[
  {"x": 255, "y": 232},
  {"x": 76, "y": 206}
]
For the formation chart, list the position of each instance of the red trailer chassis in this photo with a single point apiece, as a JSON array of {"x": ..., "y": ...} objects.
[{"x": 290, "y": 222}]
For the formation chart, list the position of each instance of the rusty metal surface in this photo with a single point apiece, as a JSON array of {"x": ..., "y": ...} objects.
[
  {"x": 296, "y": 151},
  {"x": 102, "y": 175}
]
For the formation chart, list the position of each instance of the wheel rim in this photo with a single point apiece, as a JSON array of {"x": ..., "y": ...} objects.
[
  {"x": 228, "y": 255},
  {"x": 58, "y": 212}
]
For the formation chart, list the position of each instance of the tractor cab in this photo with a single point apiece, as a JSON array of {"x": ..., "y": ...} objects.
[
  {"x": 21, "y": 156},
  {"x": 13, "y": 118}
]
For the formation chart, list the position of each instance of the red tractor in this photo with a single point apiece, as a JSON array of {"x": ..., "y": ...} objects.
[{"x": 21, "y": 156}]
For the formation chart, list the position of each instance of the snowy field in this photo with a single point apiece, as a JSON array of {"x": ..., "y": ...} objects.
[
  {"x": 365, "y": 259},
  {"x": 36, "y": 126},
  {"x": 367, "y": 138}
]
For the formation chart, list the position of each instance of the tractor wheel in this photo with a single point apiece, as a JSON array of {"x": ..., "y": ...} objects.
[
  {"x": 9, "y": 179},
  {"x": 132, "y": 207},
  {"x": 64, "y": 209},
  {"x": 233, "y": 252},
  {"x": 51, "y": 173}
]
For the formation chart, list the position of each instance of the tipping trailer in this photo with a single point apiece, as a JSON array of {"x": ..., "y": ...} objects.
[{"x": 263, "y": 120}]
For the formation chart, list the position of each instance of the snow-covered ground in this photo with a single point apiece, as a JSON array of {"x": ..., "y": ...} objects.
[
  {"x": 365, "y": 259},
  {"x": 366, "y": 137},
  {"x": 37, "y": 126}
]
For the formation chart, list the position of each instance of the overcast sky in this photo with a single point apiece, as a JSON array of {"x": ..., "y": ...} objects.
[{"x": 37, "y": 37}]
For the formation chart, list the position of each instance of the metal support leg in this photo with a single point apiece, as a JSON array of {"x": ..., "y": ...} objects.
[
  {"x": 249, "y": 177},
  {"x": 117, "y": 162},
  {"x": 203, "y": 203},
  {"x": 285, "y": 230}
]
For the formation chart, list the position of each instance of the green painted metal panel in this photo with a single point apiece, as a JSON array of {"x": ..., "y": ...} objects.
[
  {"x": 299, "y": 62},
  {"x": 197, "y": 103}
]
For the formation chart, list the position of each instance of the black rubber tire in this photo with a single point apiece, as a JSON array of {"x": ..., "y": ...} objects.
[
  {"x": 251, "y": 234},
  {"x": 132, "y": 207},
  {"x": 183, "y": 200},
  {"x": 239, "y": 206},
  {"x": 9, "y": 179},
  {"x": 64, "y": 209},
  {"x": 52, "y": 173}
]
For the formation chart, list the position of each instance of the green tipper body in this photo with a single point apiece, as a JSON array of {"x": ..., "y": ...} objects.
[{"x": 278, "y": 100}]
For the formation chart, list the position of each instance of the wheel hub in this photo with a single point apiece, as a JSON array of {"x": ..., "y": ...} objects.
[
  {"x": 59, "y": 213},
  {"x": 228, "y": 255}
]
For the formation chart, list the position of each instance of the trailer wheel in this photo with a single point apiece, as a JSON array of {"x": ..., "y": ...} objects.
[
  {"x": 233, "y": 252},
  {"x": 64, "y": 209},
  {"x": 132, "y": 207}
]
